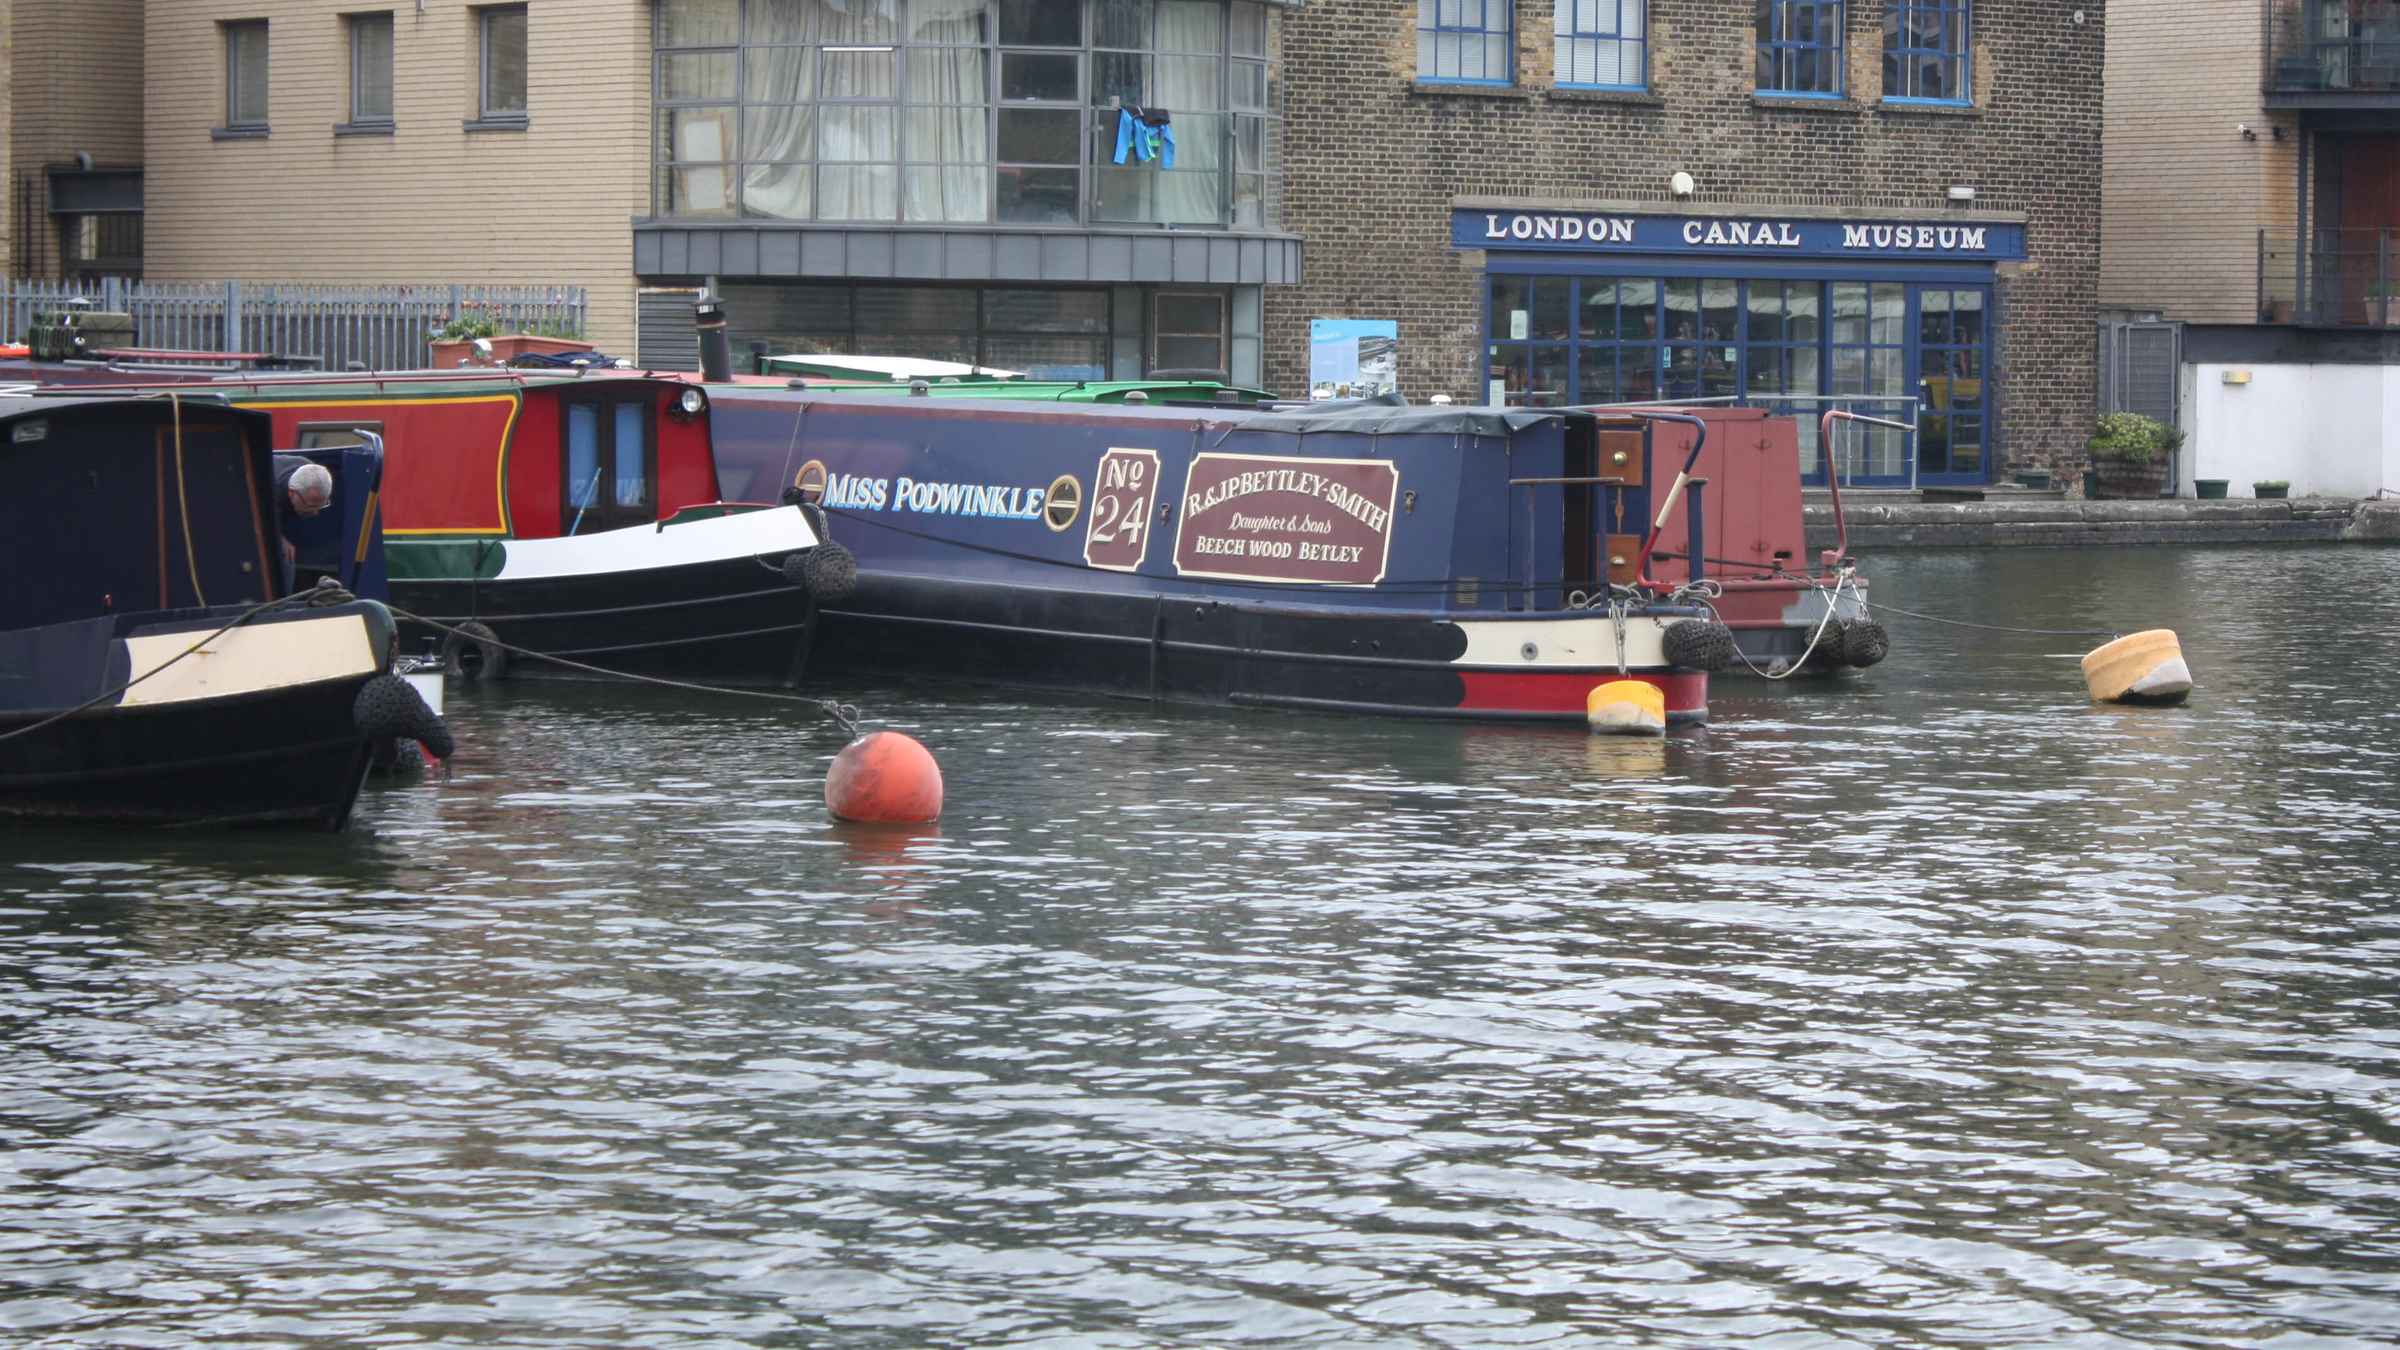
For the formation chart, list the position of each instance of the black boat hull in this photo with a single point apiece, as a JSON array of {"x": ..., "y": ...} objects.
[{"x": 287, "y": 754}]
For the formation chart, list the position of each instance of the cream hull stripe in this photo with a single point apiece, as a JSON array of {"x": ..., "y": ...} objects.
[
  {"x": 250, "y": 659},
  {"x": 1581, "y": 644},
  {"x": 642, "y": 548}
]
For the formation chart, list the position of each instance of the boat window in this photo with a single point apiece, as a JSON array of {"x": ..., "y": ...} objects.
[
  {"x": 583, "y": 461},
  {"x": 633, "y": 455},
  {"x": 322, "y": 435}
]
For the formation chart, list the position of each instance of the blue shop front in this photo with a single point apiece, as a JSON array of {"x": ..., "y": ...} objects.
[{"x": 1893, "y": 316}]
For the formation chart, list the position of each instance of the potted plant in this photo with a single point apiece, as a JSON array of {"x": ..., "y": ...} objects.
[
  {"x": 2129, "y": 454},
  {"x": 2271, "y": 488},
  {"x": 453, "y": 343}
]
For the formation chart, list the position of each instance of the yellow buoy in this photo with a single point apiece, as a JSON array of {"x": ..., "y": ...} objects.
[
  {"x": 2144, "y": 667},
  {"x": 1626, "y": 708}
]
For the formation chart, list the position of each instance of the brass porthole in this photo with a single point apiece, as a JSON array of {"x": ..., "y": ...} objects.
[
  {"x": 1062, "y": 503},
  {"x": 810, "y": 482}
]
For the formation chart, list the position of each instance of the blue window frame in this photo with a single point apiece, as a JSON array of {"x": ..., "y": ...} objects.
[
  {"x": 1925, "y": 51},
  {"x": 1602, "y": 44},
  {"x": 1800, "y": 47},
  {"x": 1466, "y": 41}
]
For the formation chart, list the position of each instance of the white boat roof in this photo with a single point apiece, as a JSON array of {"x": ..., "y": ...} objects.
[{"x": 889, "y": 367}]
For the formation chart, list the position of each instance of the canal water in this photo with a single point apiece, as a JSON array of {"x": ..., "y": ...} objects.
[{"x": 1930, "y": 1006}]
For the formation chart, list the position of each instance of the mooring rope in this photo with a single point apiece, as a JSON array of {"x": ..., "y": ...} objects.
[
  {"x": 844, "y": 715},
  {"x": 105, "y": 695}
]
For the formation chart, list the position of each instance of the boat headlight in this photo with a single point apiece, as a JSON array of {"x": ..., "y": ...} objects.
[{"x": 691, "y": 402}]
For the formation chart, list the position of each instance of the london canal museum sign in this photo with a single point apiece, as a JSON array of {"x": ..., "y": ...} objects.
[{"x": 1934, "y": 240}]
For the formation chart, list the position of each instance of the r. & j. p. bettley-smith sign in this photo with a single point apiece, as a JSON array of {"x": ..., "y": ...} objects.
[{"x": 1754, "y": 236}]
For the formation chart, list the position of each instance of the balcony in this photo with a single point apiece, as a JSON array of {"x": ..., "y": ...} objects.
[
  {"x": 2332, "y": 53},
  {"x": 2344, "y": 279}
]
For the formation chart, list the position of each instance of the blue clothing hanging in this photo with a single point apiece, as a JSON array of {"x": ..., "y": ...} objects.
[{"x": 1147, "y": 133}]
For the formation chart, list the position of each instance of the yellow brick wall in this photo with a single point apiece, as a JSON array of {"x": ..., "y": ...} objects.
[
  {"x": 550, "y": 205},
  {"x": 75, "y": 83},
  {"x": 2183, "y": 195}
]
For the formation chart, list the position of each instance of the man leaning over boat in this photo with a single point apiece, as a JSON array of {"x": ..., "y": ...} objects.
[{"x": 306, "y": 488}]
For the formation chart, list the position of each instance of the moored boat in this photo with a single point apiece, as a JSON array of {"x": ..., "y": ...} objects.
[
  {"x": 575, "y": 515},
  {"x": 153, "y": 667},
  {"x": 1435, "y": 561}
]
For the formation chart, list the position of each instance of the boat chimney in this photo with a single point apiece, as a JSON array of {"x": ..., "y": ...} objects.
[{"x": 716, "y": 351}]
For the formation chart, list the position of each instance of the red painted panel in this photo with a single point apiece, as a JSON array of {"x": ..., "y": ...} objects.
[
  {"x": 1569, "y": 692},
  {"x": 534, "y": 475},
  {"x": 687, "y": 462},
  {"x": 1751, "y": 505},
  {"x": 441, "y": 454}
]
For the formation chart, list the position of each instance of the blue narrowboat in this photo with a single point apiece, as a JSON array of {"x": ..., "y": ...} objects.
[{"x": 1431, "y": 561}]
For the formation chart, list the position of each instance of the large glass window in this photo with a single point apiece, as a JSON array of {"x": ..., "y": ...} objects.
[
  {"x": 1925, "y": 50},
  {"x": 1602, "y": 44},
  {"x": 246, "y": 74},
  {"x": 967, "y": 111},
  {"x": 1466, "y": 41},
  {"x": 1800, "y": 47},
  {"x": 1869, "y": 347},
  {"x": 1792, "y": 347}
]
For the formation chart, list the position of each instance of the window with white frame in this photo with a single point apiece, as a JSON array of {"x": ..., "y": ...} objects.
[
  {"x": 502, "y": 31},
  {"x": 1601, "y": 45},
  {"x": 1466, "y": 41},
  {"x": 1925, "y": 50},
  {"x": 1800, "y": 47},
  {"x": 246, "y": 74},
  {"x": 370, "y": 69}
]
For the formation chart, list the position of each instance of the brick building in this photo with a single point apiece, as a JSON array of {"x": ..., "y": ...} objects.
[{"x": 1894, "y": 201}]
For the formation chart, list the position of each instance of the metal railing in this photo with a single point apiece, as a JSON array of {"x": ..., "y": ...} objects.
[
  {"x": 2332, "y": 47},
  {"x": 2346, "y": 278},
  {"x": 378, "y": 327},
  {"x": 1812, "y": 458}
]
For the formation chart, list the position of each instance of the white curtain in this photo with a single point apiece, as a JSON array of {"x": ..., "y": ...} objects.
[{"x": 946, "y": 134}]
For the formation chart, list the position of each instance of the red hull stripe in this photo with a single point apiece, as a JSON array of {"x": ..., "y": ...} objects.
[{"x": 1568, "y": 691}]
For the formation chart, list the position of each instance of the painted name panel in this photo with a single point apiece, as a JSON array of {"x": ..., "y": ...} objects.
[
  {"x": 1116, "y": 535},
  {"x": 1283, "y": 518},
  {"x": 1752, "y": 236}
]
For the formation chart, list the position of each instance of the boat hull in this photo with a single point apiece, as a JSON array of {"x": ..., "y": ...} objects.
[
  {"x": 701, "y": 600},
  {"x": 273, "y": 742},
  {"x": 1206, "y": 650}
]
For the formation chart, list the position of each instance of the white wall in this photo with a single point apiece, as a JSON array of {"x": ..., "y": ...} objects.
[{"x": 2328, "y": 430}]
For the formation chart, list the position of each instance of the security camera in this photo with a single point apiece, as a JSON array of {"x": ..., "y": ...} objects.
[{"x": 1680, "y": 184}]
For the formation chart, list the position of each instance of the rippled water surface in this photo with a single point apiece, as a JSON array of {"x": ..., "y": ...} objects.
[{"x": 1927, "y": 1007}]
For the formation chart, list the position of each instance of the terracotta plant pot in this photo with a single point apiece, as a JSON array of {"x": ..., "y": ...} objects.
[
  {"x": 506, "y": 347},
  {"x": 2131, "y": 482}
]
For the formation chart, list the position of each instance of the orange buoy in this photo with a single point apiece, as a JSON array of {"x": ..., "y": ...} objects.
[
  {"x": 884, "y": 778},
  {"x": 1626, "y": 708},
  {"x": 2144, "y": 667}
]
